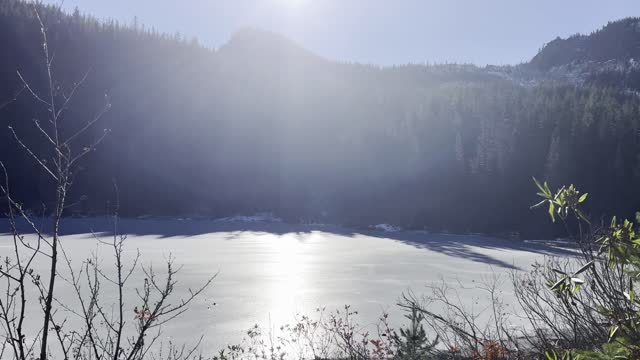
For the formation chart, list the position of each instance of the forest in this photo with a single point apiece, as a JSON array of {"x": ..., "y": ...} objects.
[{"x": 263, "y": 125}]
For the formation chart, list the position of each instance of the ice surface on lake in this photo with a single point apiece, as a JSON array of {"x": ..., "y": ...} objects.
[{"x": 269, "y": 271}]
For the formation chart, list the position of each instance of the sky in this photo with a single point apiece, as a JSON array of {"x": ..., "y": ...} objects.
[{"x": 381, "y": 32}]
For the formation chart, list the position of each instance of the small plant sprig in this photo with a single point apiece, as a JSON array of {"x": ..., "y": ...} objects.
[
  {"x": 619, "y": 251},
  {"x": 563, "y": 203}
]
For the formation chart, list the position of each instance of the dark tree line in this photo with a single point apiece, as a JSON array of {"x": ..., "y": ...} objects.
[{"x": 263, "y": 125}]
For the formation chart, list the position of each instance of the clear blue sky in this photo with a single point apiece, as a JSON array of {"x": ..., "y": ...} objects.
[{"x": 380, "y": 31}]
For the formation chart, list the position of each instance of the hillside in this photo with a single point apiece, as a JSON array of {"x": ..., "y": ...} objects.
[
  {"x": 606, "y": 57},
  {"x": 262, "y": 124}
]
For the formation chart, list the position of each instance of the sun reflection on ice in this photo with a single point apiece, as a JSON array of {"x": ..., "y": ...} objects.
[{"x": 287, "y": 275}]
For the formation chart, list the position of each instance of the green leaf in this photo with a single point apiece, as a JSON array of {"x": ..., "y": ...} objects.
[
  {"x": 559, "y": 271},
  {"x": 583, "y": 197},
  {"x": 538, "y": 184},
  {"x": 560, "y": 194},
  {"x": 538, "y": 204},
  {"x": 584, "y": 267},
  {"x": 544, "y": 189},
  {"x": 558, "y": 283},
  {"x": 576, "y": 288},
  {"x": 612, "y": 332},
  {"x": 552, "y": 212},
  {"x": 612, "y": 259}
]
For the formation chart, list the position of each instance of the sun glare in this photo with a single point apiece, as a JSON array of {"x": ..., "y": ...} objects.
[
  {"x": 288, "y": 271},
  {"x": 294, "y": 4}
]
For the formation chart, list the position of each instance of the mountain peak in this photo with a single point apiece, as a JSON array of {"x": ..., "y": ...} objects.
[
  {"x": 617, "y": 41},
  {"x": 251, "y": 34},
  {"x": 252, "y": 42}
]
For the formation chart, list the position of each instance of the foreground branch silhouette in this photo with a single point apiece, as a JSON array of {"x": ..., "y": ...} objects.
[{"x": 90, "y": 329}]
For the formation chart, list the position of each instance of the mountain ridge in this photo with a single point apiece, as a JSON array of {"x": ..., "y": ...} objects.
[
  {"x": 619, "y": 40},
  {"x": 609, "y": 57}
]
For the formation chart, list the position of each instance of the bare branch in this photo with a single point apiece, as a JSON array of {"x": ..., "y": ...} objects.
[
  {"x": 33, "y": 93},
  {"x": 34, "y": 156},
  {"x": 69, "y": 97},
  {"x": 15, "y": 97},
  {"x": 95, "y": 119}
]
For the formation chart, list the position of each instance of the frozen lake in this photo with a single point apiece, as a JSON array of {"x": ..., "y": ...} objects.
[{"x": 269, "y": 271}]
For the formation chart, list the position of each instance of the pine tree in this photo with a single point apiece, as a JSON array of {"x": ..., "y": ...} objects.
[{"x": 413, "y": 343}]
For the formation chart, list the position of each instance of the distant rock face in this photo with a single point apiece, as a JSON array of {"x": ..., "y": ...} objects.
[{"x": 609, "y": 56}]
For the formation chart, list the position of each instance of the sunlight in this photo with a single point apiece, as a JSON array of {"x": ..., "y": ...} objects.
[
  {"x": 293, "y": 4},
  {"x": 288, "y": 273}
]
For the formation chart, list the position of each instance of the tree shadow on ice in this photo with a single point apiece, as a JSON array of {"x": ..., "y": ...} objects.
[
  {"x": 169, "y": 227},
  {"x": 469, "y": 247}
]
